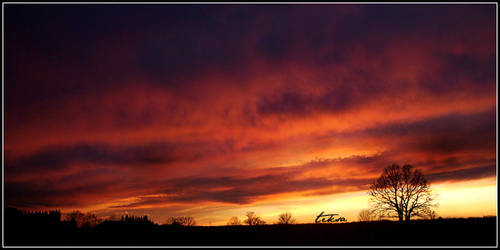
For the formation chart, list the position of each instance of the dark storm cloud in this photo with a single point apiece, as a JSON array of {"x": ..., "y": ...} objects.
[
  {"x": 243, "y": 190},
  {"x": 338, "y": 98},
  {"x": 368, "y": 164},
  {"x": 76, "y": 55},
  {"x": 56, "y": 52},
  {"x": 59, "y": 158},
  {"x": 83, "y": 187},
  {"x": 444, "y": 134},
  {"x": 460, "y": 72},
  {"x": 240, "y": 190},
  {"x": 464, "y": 174},
  {"x": 454, "y": 162},
  {"x": 55, "y": 193}
]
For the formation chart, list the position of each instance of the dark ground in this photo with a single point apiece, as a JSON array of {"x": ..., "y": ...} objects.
[{"x": 21, "y": 231}]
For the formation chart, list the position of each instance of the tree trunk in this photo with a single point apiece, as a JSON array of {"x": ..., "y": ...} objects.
[
  {"x": 400, "y": 216},
  {"x": 407, "y": 218}
]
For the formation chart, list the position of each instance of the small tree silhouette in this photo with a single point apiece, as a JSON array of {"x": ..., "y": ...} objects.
[
  {"x": 254, "y": 220},
  {"x": 366, "y": 215},
  {"x": 80, "y": 219},
  {"x": 75, "y": 218},
  {"x": 181, "y": 221},
  {"x": 285, "y": 219},
  {"x": 401, "y": 192},
  {"x": 431, "y": 215},
  {"x": 234, "y": 221}
]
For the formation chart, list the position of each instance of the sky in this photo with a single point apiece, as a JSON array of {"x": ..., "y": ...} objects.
[{"x": 212, "y": 110}]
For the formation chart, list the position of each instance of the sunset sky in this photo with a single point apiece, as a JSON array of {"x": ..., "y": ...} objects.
[{"x": 211, "y": 111}]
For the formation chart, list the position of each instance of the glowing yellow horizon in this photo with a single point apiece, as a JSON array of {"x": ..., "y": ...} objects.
[{"x": 476, "y": 198}]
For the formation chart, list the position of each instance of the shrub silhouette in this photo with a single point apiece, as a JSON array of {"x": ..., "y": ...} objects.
[
  {"x": 254, "y": 220},
  {"x": 366, "y": 215},
  {"x": 82, "y": 220},
  {"x": 180, "y": 221},
  {"x": 234, "y": 221},
  {"x": 285, "y": 219}
]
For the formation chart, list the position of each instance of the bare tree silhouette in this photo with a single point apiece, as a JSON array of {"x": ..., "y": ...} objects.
[
  {"x": 285, "y": 219},
  {"x": 253, "y": 220},
  {"x": 366, "y": 215},
  {"x": 234, "y": 221},
  {"x": 82, "y": 220},
  {"x": 431, "y": 215},
  {"x": 401, "y": 192},
  {"x": 75, "y": 217},
  {"x": 91, "y": 220},
  {"x": 180, "y": 221}
]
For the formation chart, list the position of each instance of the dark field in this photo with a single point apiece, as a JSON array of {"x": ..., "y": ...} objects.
[{"x": 440, "y": 232}]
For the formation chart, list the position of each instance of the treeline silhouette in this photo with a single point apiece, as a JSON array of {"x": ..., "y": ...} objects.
[
  {"x": 24, "y": 216},
  {"x": 51, "y": 228}
]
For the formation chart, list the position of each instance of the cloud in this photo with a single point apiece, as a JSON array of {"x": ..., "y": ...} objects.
[
  {"x": 104, "y": 183},
  {"x": 238, "y": 103},
  {"x": 61, "y": 157},
  {"x": 112, "y": 164},
  {"x": 464, "y": 174},
  {"x": 444, "y": 134},
  {"x": 238, "y": 190}
]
